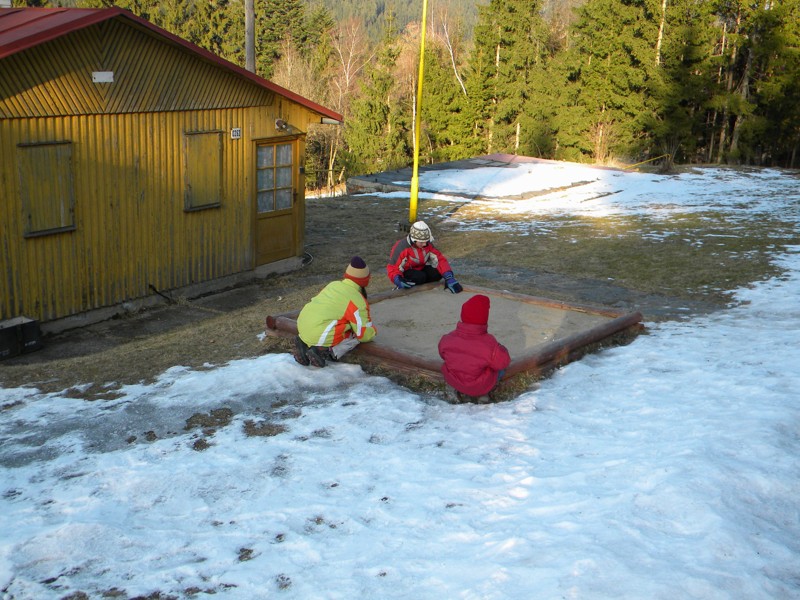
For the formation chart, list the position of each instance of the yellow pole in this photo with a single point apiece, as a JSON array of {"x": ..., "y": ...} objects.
[{"x": 412, "y": 209}]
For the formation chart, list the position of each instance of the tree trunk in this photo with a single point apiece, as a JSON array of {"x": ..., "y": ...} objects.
[
  {"x": 723, "y": 132},
  {"x": 332, "y": 159},
  {"x": 744, "y": 92},
  {"x": 661, "y": 31},
  {"x": 494, "y": 98},
  {"x": 711, "y": 123},
  {"x": 449, "y": 44}
]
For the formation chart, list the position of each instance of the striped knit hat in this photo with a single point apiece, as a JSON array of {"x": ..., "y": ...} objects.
[
  {"x": 420, "y": 232},
  {"x": 358, "y": 271}
]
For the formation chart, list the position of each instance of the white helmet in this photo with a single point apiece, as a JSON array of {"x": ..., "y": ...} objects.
[{"x": 420, "y": 232}]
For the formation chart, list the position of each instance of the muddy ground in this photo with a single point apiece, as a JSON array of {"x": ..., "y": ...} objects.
[{"x": 618, "y": 263}]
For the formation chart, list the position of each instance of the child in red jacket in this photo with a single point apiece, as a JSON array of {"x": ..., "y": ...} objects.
[
  {"x": 473, "y": 359},
  {"x": 414, "y": 260}
]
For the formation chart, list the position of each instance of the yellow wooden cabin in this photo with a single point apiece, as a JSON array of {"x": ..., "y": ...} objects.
[{"x": 134, "y": 162}]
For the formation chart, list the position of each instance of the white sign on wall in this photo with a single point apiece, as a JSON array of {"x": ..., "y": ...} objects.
[{"x": 103, "y": 76}]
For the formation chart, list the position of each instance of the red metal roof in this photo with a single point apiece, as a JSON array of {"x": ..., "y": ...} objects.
[{"x": 23, "y": 28}]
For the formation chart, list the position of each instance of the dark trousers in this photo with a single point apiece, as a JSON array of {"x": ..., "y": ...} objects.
[{"x": 425, "y": 275}]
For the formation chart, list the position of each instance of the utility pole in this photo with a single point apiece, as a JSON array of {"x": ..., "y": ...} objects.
[{"x": 250, "y": 35}]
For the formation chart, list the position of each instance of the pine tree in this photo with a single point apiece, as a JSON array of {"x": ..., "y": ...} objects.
[
  {"x": 376, "y": 141},
  {"x": 276, "y": 20},
  {"x": 767, "y": 128},
  {"x": 779, "y": 89},
  {"x": 537, "y": 121},
  {"x": 684, "y": 83},
  {"x": 511, "y": 41},
  {"x": 444, "y": 126},
  {"x": 315, "y": 39},
  {"x": 606, "y": 73},
  {"x": 446, "y": 115}
]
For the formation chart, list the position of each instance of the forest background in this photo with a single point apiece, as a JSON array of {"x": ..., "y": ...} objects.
[{"x": 599, "y": 81}]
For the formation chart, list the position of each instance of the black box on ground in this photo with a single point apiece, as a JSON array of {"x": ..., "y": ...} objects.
[{"x": 19, "y": 335}]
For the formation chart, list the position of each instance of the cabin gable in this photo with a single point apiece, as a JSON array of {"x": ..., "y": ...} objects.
[{"x": 116, "y": 67}]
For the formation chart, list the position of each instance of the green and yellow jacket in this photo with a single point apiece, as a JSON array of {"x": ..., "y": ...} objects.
[{"x": 339, "y": 311}]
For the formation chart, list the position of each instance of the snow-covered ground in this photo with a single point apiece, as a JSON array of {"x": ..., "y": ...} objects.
[{"x": 668, "y": 468}]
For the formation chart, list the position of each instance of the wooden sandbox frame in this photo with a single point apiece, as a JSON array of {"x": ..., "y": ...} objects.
[{"x": 405, "y": 346}]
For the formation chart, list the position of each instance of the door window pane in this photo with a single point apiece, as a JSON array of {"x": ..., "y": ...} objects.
[
  {"x": 266, "y": 201},
  {"x": 283, "y": 199},
  {"x": 284, "y": 176},
  {"x": 265, "y": 157},
  {"x": 274, "y": 177},
  {"x": 284, "y": 154},
  {"x": 266, "y": 179}
]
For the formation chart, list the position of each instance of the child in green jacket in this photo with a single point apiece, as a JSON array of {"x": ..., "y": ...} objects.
[{"x": 336, "y": 320}]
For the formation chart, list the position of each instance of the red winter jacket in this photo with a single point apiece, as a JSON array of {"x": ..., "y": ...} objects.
[
  {"x": 472, "y": 359},
  {"x": 406, "y": 256}
]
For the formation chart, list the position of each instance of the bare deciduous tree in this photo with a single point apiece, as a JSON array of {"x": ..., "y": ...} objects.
[
  {"x": 295, "y": 73},
  {"x": 352, "y": 52},
  {"x": 406, "y": 71},
  {"x": 450, "y": 36}
]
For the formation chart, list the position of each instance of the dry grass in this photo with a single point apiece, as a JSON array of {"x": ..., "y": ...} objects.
[{"x": 694, "y": 261}]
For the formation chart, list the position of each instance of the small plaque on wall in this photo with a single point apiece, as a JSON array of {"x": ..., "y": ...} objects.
[{"x": 103, "y": 76}]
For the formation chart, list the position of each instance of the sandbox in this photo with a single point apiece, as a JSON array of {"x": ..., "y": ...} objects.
[{"x": 540, "y": 334}]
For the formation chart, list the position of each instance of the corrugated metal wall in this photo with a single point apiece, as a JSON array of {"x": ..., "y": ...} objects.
[{"x": 131, "y": 228}]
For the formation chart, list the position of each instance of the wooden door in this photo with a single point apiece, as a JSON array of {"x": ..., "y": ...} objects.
[{"x": 277, "y": 207}]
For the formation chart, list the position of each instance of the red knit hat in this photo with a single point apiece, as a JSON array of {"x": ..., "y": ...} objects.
[
  {"x": 476, "y": 310},
  {"x": 358, "y": 271}
]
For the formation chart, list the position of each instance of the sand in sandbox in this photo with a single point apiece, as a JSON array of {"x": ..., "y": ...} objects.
[{"x": 414, "y": 322}]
